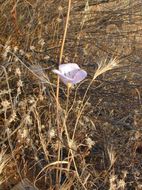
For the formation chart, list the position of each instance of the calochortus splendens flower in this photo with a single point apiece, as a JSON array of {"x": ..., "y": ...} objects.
[{"x": 70, "y": 73}]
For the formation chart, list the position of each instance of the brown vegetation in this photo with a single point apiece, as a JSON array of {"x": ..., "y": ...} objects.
[{"x": 93, "y": 139}]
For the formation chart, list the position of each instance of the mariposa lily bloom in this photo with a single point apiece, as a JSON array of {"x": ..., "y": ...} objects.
[{"x": 70, "y": 73}]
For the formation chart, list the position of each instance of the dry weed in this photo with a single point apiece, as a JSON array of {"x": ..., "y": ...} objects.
[{"x": 88, "y": 137}]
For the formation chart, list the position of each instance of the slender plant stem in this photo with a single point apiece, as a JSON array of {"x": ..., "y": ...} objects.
[
  {"x": 68, "y": 94},
  {"x": 58, "y": 177}
]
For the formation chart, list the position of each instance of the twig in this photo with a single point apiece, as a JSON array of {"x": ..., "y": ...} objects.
[{"x": 57, "y": 90}]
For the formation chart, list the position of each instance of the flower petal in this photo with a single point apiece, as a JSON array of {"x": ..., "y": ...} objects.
[
  {"x": 65, "y": 68},
  {"x": 57, "y": 72},
  {"x": 71, "y": 74},
  {"x": 63, "y": 78},
  {"x": 80, "y": 75},
  {"x": 66, "y": 80}
]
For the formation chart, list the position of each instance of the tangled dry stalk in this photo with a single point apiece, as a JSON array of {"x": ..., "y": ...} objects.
[{"x": 88, "y": 137}]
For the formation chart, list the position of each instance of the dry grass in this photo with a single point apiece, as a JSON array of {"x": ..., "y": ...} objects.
[{"x": 54, "y": 137}]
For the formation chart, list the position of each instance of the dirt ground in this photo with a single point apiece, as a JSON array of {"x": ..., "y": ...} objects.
[{"x": 92, "y": 139}]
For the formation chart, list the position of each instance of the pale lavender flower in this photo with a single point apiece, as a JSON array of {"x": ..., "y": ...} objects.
[{"x": 70, "y": 73}]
